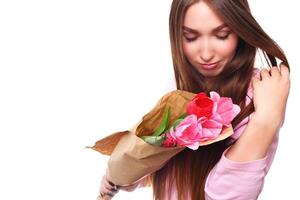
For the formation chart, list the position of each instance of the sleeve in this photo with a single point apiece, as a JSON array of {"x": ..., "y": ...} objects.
[{"x": 230, "y": 180}]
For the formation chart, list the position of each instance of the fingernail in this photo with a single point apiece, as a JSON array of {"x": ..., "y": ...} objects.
[{"x": 110, "y": 194}]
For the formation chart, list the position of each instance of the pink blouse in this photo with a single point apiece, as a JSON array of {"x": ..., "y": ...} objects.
[{"x": 230, "y": 180}]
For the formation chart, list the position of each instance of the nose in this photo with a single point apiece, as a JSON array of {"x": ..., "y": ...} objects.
[{"x": 206, "y": 52}]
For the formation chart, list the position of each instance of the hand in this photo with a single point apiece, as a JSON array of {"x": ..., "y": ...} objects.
[
  {"x": 270, "y": 94},
  {"x": 129, "y": 188},
  {"x": 107, "y": 189}
]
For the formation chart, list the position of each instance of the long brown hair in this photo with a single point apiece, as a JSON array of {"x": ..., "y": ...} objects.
[{"x": 189, "y": 169}]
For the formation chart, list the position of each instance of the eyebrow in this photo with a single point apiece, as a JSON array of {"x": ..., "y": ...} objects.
[{"x": 218, "y": 28}]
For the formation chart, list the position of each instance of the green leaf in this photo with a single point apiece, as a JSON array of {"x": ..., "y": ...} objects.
[
  {"x": 182, "y": 116},
  {"x": 163, "y": 123},
  {"x": 175, "y": 124},
  {"x": 177, "y": 121},
  {"x": 154, "y": 140}
]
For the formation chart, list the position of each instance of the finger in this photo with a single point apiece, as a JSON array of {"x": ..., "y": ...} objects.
[
  {"x": 100, "y": 197},
  {"x": 106, "y": 188},
  {"x": 104, "y": 197},
  {"x": 101, "y": 194},
  {"x": 255, "y": 80},
  {"x": 112, "y": 184},
  {"x": 108, "y": 193},
  {"x": 105, "y": 191},
  {"x": 109, "y": 185},
  {"x": 275, "y": 72},
  {"x": 114, "y": 189},
  {"x": 284, "y": 70},
  {"x": 264, "y": 73},
  {"x": 111, "y": 194}
]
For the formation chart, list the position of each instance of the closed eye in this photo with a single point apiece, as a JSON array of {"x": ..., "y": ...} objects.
[
  {"x": 220, "y": 36},
  {"x": 223, "y": 37},
  {"x": 190, "y": 39}
]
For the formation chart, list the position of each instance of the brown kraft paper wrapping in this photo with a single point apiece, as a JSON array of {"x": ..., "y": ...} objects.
[{"x": 131, "y": 158}]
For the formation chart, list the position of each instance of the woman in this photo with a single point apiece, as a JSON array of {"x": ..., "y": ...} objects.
[{"x": 214, "y": 44}]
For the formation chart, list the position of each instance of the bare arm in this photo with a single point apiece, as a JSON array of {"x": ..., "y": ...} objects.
[{"x": 270, "y": 96}]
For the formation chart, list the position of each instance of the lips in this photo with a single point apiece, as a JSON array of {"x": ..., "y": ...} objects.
[{"x": 209, "y": 66}]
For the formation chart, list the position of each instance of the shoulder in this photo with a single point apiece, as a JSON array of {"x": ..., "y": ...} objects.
[
  {"x": 238, "y": 130},
  {"x": 255, "y": 73}
]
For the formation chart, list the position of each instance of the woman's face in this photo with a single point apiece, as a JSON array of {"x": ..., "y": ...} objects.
[{"x": 208, "y": 43}]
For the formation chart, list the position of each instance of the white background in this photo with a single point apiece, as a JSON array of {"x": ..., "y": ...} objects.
[{"x": 72, "y": 72}]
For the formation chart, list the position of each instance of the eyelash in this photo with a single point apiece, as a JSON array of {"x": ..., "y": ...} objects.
[{"x": 221, "y": 38}]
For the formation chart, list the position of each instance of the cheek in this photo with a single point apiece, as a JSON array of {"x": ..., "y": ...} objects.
[
  {"x": 190, "y": 50},
  {"x": 227, "y": 48}
]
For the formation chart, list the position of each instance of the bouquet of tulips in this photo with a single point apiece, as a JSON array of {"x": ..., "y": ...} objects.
[
  {"x": 180, "y": 119},
  {"x": 203, "y": 122}
]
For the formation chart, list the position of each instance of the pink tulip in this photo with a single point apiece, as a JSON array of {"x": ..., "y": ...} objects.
[
  {"x": 210, "y": 129},
  {"x": 224, "y": 111},
  {"x": 188, "y": 132}
]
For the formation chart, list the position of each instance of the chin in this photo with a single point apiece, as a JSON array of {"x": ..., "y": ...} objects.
[{"x": 210, "y": 73}]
